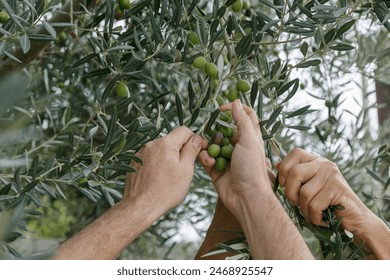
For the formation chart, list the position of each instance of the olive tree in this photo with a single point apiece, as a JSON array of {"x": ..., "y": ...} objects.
[{"x": 86, "y": 83}]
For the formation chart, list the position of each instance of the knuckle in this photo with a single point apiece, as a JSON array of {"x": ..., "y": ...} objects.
[
  {"x": 294, "y": 172},
  {"x": 297, "y": 151}
]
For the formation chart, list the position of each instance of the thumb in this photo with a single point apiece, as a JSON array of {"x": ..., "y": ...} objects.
[{"x": 190, "y": 150}]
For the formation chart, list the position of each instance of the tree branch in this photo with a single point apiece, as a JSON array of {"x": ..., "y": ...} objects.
[{"x": 8, "y": 65}]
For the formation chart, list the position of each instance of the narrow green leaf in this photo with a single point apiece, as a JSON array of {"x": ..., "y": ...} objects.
[
  {"x": 87, "y": 193},
  {"x": 299, "y": 127},
  {"x": 50, "y": 29},
  {"x": 194, "y": 117},
  {"x": 243, "y": 46},
  {"x": 34, "y": 167},
  {"x": 286, "y": 87},
  {"x": 304, "y": 47},
  {"x": 110, "y": 131},
  {"x": 213, "y": 117},
  {"x": 85, "y": 59},
  {"x": 179, "y": 108},
  {"x": 40, "y": 37},
  {"x": 274, "y": 115},
  {"x": 275, "y": 127},
  {"x": 344, "y": 28},
  {"x": 276, "y": 68},
  {"x": 376, "y": 176},
  {"x": 298, "y": 112},
  {"x": 254, "y": 92},
  {"x": 25, "y": 43},
  {"x": 109, "y": 87},
  {"x": 306, "y": 64},
  {"x": 342, "y": 47},
  {"x": 29, "y": 187}
]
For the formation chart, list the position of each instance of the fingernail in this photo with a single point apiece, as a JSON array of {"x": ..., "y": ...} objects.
[{"x": 197, "y": 141}]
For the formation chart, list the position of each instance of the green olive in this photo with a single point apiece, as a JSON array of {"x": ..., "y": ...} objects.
[
  {"x": 246, "y": 5},
  {"x": 213, "y": 150},
  {"x": 119, "y": 13},
  {"x": 3, "y": 16},
  {"x": 227, "y": 151},
  {"x": 225, "y": 141},
  {"x": 193, "y": 38},
  {"x": 122, "y": 90},
  {"x": 226, "y": 131},
  {"x": 237, "y": 6},
  {"x": 226, "y": 116},
  {"x": 124, "y": 4},
  {"x": 211, "y": 70},
  {"x": 243, "y": 85},
  {"x": 220, "y": 164},
  {"x": 220, "y": 100},
  {"x": 199, "y": 62},
  {"x": 232, "y": 95}
]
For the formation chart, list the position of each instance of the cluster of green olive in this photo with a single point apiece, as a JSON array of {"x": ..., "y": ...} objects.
[
  {"x": 120, "y": 9},
  {"x": 210, "y": 68},
  {"x": 220, "y": 146}
]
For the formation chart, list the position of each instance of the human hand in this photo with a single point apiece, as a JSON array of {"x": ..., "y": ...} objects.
[
  {"x": 314, "y": 183},
  {"x": 163, "y": 179},
  {"x": 248, "y": 167}
]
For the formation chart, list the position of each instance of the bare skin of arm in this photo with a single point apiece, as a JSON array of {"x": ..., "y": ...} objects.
[
  {"x": 246, "y": 192},
  {"x": 160, "y": 184},
  {"x": 314, "y": 183}
]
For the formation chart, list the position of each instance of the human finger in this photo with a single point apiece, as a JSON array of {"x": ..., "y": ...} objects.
[
  {"x": 179, "y": 136},
  {"x": 252, "y": 115},
  {"x": 245, "y": 128},
  {"x": 298, "y": 175},
  {"x": 306, "y": 194},
  {"x": 295, "y": 156},
  {"x": 190, "y": 150}
]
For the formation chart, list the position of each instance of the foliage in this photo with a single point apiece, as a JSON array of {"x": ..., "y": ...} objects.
[{"x": 69, "y": 136}]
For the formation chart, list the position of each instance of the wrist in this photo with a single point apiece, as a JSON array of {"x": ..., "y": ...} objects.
[{"x": 376, "y": 235}]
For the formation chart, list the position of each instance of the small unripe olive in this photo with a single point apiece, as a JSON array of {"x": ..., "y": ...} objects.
[
  {"x": 218, "y": 138},
  {"x": 3, "y": 16},
  {"x": 232, "y": 95},
  {"x": 118, "y": 14},
  {"x": 122, "y": 90},
  {"x": 213, "y": 150},
  {"x": 226, "y": 131},
  {"x": 226, "y": 116},
  {"x": 193, "y": 38},
  {"x": 220, "y": 164},
  {"x": 227, "y": 151},
  {"x": 246, "y": 5},
  {"x": 243, "y": 85},
  {"x": 124, "y": 4},
  {"x": 237, "y": 6},
  {"x": 225, "y": 141},
  {"x": 211, "y": 70},
  {"x": 199, "y": 62},
  {"x": 220, "y": 100}
]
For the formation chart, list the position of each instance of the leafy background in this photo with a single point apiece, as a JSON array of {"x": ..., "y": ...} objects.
[{"x": 316, "y": 68}]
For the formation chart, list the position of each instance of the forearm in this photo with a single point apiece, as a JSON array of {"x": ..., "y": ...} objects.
[
  {"x": 377, "y": 239},
  {"x": 270, "y": 232},
  {"x": 223, "y": 227},
  {"x": 108, "y": 235}
]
